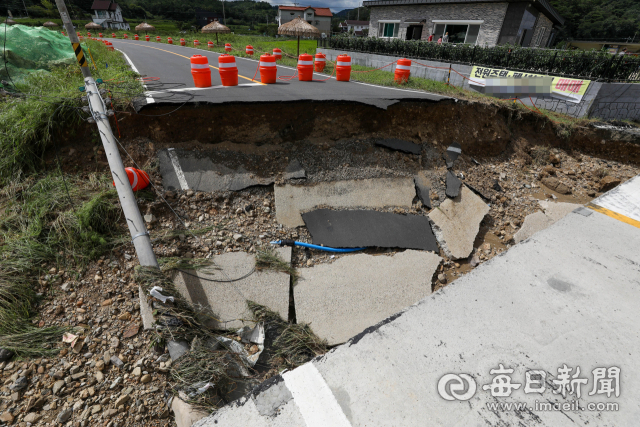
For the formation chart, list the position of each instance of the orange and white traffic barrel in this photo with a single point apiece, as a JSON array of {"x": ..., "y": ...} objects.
[
  {"x": 126, "y": 36},
  {"x": 268, "y": 69},
  {"x": 210, "y": 44},
  {"x": 305, "y": 68},
  {"x": 147, "y": 38},
  {"x": 200, "y": 71},
  {"x": 109, "y": 45},
  {"x": 343, "y": 68},
  {"x": 182, "y": 42},
  {"x": 100, "y": 35},
  {"x": 138, "y": 179},
  {"x": 321, "y": 61},
  {"x": 88, "y": 34},
  {"x": 169, "y": 40},
  {"x": 113, "y": 35},
  {"x": 196, "y": 43},
  {"x": 277, "y": 53},
  {"x": 249, "y": 50},
  {"x": 136, "y": 37},
  {"x": 80, "y": 37},
  {"x": 227, "y": 47},
  {"x": 228, "y": 70},
  {"x": 403, "y": 71},
  {"x": 158, "y": 39}
]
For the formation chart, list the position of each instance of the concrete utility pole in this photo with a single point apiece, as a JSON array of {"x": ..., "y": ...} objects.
[
  {"x": 224, "y": 19},
  {"x": 137, "y": 228}
]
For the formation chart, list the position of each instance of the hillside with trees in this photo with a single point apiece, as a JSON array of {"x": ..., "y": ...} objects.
[
  {"x": 243, "y": 13},
  {"x": 599, "y": 19}
]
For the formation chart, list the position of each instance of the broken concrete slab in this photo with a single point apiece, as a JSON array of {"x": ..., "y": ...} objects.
[
  {"x": 182, "y": 170},
  {"x": 223, "y": 289},
  {"x": 145, "y": 310},
  {"x": 537, "y": 221},
  {"x": 186, "y": 414},
  {"x": 453, "y": 151},
  {"x": 624, "y": 199},
  {"x": 177, "y": 349},
  {"x": 453, "y": 185},
  {"x": 532, "y": 224},
  {"x": 361, "y": 228},
  {"x": 292, "y": 200},
  {"x": 294, "y": 171},
  {"x": 341, "y": 299},
  {"x": 456, "y": 223},
  {"x": 400, "y": 145},
  {"x": 423, "y": 188}
]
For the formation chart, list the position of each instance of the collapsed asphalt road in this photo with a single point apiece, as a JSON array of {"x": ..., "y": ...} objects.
[{"x": 170, "y": 63}]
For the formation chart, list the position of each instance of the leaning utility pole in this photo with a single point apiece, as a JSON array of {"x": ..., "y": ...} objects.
[{"x": 137, "y": 228}]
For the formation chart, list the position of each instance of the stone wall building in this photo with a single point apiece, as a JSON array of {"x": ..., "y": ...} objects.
[{"x": 482, "y": 22}]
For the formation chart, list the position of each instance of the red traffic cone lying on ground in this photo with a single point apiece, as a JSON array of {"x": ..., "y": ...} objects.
[{"x": 138, "y": 179}]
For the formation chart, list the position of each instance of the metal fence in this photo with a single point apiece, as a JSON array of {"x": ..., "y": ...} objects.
[{"x": 592, "y": 65}]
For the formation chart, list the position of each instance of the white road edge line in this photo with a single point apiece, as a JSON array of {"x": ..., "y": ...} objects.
[
  {"x": 332, "y": 77},
  {"x": 202, "y": 88},
  {"x": 317, "y": 404},
  {"x": 176, "y": 167},
  {"x": 150, "y": 99}
]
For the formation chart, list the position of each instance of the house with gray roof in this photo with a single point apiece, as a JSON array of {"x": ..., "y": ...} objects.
[{"x": 484, "y": 22}]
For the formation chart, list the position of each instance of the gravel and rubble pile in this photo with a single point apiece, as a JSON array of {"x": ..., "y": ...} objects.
[{"x": 113, "y": 374}]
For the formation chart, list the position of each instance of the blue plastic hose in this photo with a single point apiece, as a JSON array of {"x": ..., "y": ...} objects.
[{"x": 322, "y": 248}]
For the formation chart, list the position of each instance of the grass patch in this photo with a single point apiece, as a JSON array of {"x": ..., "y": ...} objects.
[
  {"x": 176, "y": 263},
  {"x": 42, "y": 224},
  {"x": 268, "y": 259},
  {"x": 295, "y": 345}
]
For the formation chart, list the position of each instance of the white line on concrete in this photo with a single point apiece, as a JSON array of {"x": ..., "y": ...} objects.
[
  {"x": 178, "y": 169},
  {"x": 624, "y": 199},
  {"x": 202, "y": 88},
  {"x": 150, "y": 99},
  {"x": 314, "y": 398}
]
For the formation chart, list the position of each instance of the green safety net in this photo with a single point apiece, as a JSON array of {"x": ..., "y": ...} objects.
[{"x": 32, "y": 49}]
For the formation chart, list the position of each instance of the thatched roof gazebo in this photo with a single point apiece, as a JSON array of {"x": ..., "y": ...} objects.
[
  {"x": 145, "y": 27},
  {"x": 215, "y": 27},
  {"x": 299, "y": 27},
  {"x": 49, "y": 24},
  {"x": 10, "y": 21},
  {"x": 93, "y": 26}
]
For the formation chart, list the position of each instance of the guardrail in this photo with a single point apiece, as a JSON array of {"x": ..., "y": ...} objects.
[{"x": 592, "y": 65}]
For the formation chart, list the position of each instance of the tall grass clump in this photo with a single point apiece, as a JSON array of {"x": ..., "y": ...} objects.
[
  {"x": 43, "y": 103},
  {"x": 46, "y": 222}
]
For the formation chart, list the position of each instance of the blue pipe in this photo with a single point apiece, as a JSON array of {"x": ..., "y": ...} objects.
[{"x": 322, "y": 248}]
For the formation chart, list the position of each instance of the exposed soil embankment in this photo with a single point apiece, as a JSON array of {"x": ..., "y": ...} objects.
[{"x": 481, "y": 129}]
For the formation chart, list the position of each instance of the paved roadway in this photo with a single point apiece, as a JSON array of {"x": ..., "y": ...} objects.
[
  {"x": 171, "y": 64},
  {"x": 567, "y": 295}
]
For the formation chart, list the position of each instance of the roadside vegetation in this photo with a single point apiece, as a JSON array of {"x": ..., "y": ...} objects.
[
  {"x": 49, "y": 223},
  {"x": 41, "y": 104}
]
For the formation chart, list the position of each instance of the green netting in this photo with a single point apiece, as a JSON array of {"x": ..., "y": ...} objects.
[{"x": 32, "y": 49}]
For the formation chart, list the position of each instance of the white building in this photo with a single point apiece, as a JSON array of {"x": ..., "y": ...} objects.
[
  {"x": 358, "y": 26},
  {"x": 319, "y": 17},
  {"x": 108, "y": 14}
]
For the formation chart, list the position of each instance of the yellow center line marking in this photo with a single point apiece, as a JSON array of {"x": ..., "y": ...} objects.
[
  {"x": 168, "y": 51},
  {"x": 614, "y": 215}
]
